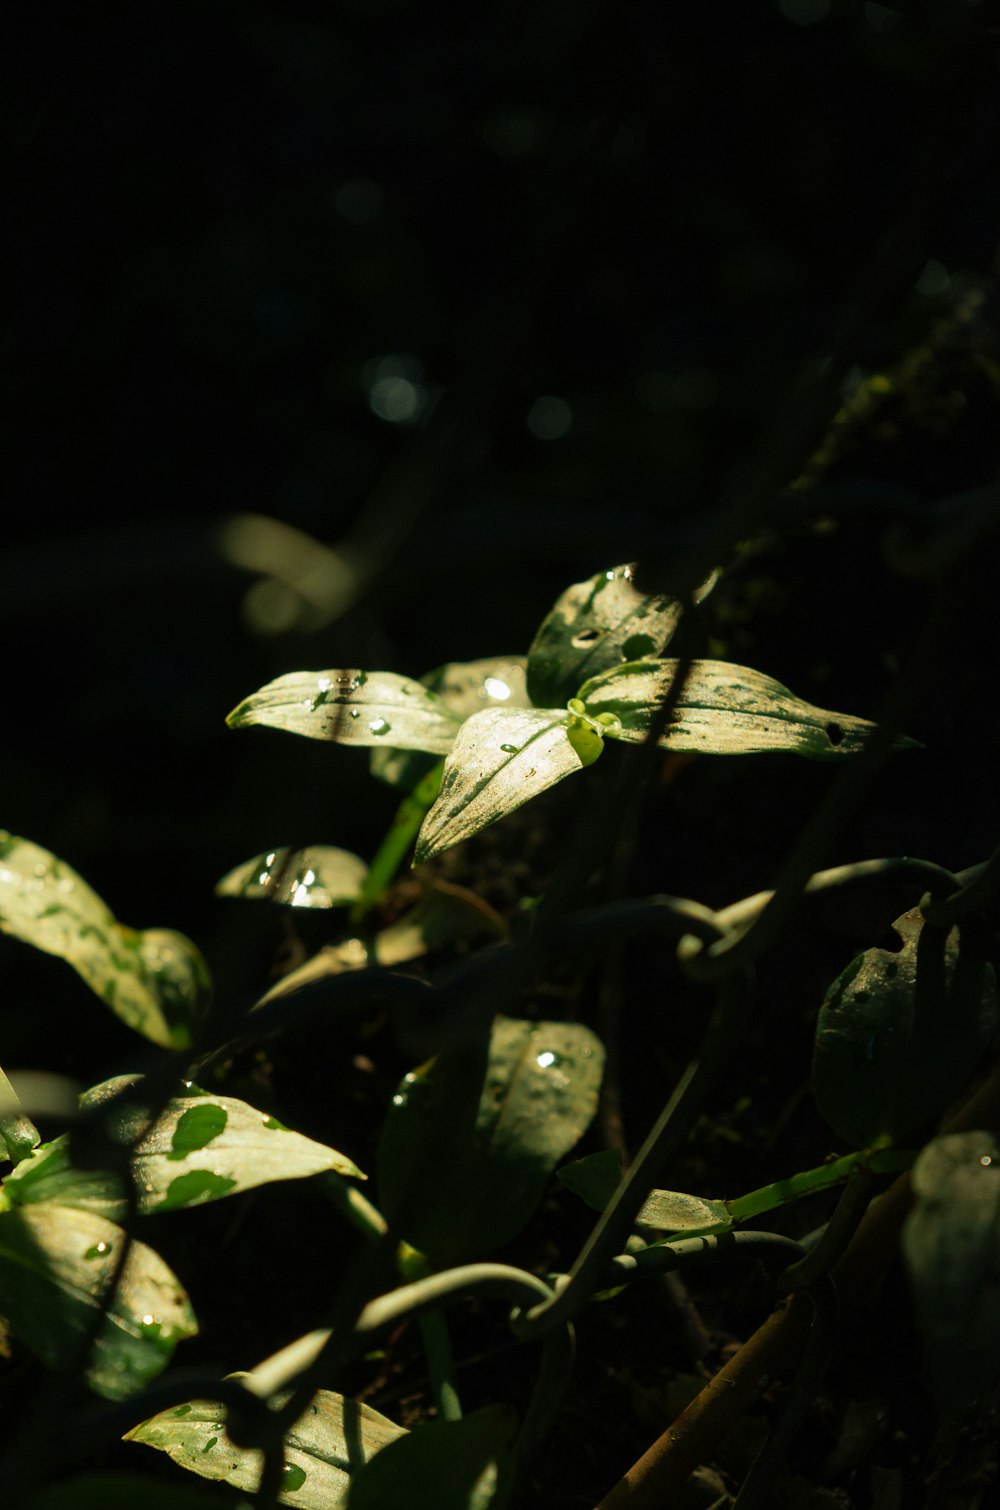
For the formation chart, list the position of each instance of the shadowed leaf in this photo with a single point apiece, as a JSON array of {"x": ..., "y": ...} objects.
[{"x": 445, "y": 1465}]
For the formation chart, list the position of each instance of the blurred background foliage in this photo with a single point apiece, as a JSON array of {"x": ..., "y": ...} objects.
[{"x": 350, "y": 334}]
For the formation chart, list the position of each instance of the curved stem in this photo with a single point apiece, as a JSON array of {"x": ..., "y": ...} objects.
[{"x": 397, "y": 843}]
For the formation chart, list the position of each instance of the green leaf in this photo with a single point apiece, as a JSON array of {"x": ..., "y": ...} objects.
[
  {"x": 18, "y": 1134},
  {"x": 723, "y": 710},
  {"x": 596, "y": 1177},
  {"x": 950, "y": 1245},
  {"x": 443, "y": 914},
  {"x": 594, "y": 626},
  {"x": 352, "y": 707},
  {"x": 320, "y": 876},
  {"x": 445, "y": 1465},
  {"x": 55, "y": 1264},
  {"x": 500, "y": 760},
  {"x": 899, "y": 1034},
  {"x": 472, "y": 1136},
  {"x": 201, "y": 1148},
  {"x": 156, "y": 982},
  {"x": 464, "y": 687},
  {"x": 330, "y": 1442},
  {"x": 116, "y": 1490}
]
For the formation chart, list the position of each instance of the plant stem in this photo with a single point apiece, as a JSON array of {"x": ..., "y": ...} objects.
[
  {"x": 396, "y": 845},
  {"x": 810, "y": 1181},
  {"x": 436, "y": 1340}
]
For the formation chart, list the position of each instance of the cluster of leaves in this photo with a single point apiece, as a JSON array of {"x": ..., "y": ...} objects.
[{"x": 472, "y": 1137}]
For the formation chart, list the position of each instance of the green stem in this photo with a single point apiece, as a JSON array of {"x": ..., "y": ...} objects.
[
  {"x": 810, "y": 1181},
  {"x": 397, "y": 843},
  {"x": 354, "y": 1205},
  {"x": 436, "y": 1340}
]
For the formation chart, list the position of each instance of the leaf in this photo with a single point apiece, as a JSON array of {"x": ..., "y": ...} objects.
[
  {"x": 950, "y": 1245},
  {"x": 333, "y": 1439},
  {"x": 352, "y": 707},
  {"x": 444, "y": 1465},
  {"x": 442, "y": 915},
  {"x": 899, "y": 1034},
  {"x": 500, "y": 760},
  {"x": 320, "y": 876},
  {"x": 115, "y": 1490},
  {"x": 594, "y": 626},
  {"x": 54, "y": 1266},
  {"x": 472, "y": 1136},
  {"x": 464, "y": 687},
  {"x": 596, "y": 1177},
  {"x": 201, "y": 1148},
  {"x": 18, "y": 1134},
  {"x": 723, "y": 710},
  {"x": 156, "y": 982}
]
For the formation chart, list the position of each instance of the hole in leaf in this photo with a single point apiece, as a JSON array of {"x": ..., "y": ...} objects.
[{"x": 834, "y": 733}]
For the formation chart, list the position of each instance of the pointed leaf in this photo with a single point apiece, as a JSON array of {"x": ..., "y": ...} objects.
[
  {"x": 320, "y": 876},
  {"x": 201, "y": 1148},
  {"x": 723, "y": 710},
  {"x": 156, "y": 982},
  {"x": 445, "y": 1465},
  {"x": 950, "y": 1244},
  {"x": 18, "y": 1134},
  {"x": 115, "y": 1490},
  {"x": 500, "y": 760},
  {"x": 330, "y": 1442},
  {"x": 472, "y": 1137},
  {"x": 899, "y": 1034},
  {"x": 594, "y": 626},
  {"x": 464, "y": 687},
  {"x": 596, "y": 1177},
  {"x": 352, "y": 707},
  {"x": 55, "y": 1264}
]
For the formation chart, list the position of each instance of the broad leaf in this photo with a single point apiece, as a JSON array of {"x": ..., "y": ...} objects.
[
  {"x": 330, "y": 1442},
  {"x": 115, "y": 1490},
  {"x": 472, "y": 1136},
  {"x": 596, "y": 1178},
  {"x": 156, "y": 982},
  {"x": 352, "y": 707},
  {"x": 950, "y": 1244},
  {"x": 464, "y": 687},
  {"x": 201, "y": 1148},
  {"x": 18, "y": 1134},
  {"x": 723, "y": 710},
  {"x": 55, "y": 1264},
  {"x": 320, "y": 876},
  {"x": 445, "y": 1465},
  {"x": 500, "y": 760},
  {"x": 899, "y": 1034},
  {"x": 594, "y": 626},
  {"x": 443, "y": 914}
]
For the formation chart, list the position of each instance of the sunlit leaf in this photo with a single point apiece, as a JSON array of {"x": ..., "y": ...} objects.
[
  {"x": 596, "y": 1177},
  {"x": 55, "y": 1263},
  {"x": 18, "y": 1134},
  {"x": 330, "y": 1442},
  {"x": 500, "y": 760},
  {"x": 723, "y": 710},
  {"x": 464, "y": 687},
  {"x": 899, "y": 1034},
  {"x": 444, "y": 1465},
  {"x": 156, "y": 982},
  {"x": 201, "y": 1148},
  {"x": 352, "y": 707},
  {"x": 319, "y": 876},
  {"x": 472, "y": 1136},
  {"x": 118, "y": 1490},
  {"x": 950, "y": 1244},
  {"x": 594, "y": 626}
]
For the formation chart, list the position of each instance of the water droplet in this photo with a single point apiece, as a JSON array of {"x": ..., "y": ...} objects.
[
  {"x": 509, "y": 749},
  {"x": 41, "y": 870},
  {"x": 497, "y": 688},
  {"x": 311, "y": 704},
  {"x": 587, "y": 636},
  {"x": 324, "y": 684},
  {"x": 148, "y": 1320},
  {"x": 986, "y": 1161},
  {"x": 295, "y": 1477},
  {"x": 355, "y": 713},
  {"x": 65, "y": 885},
  {"x": 544, "y": 1060},
  {"x": 379, "y": 726}
]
